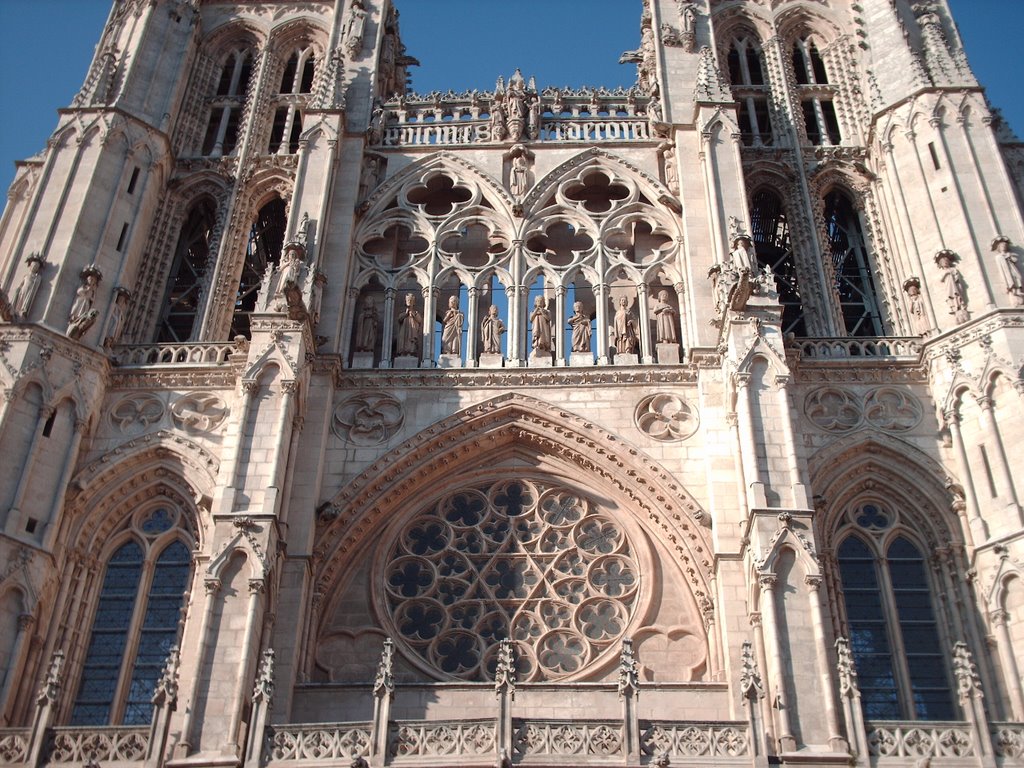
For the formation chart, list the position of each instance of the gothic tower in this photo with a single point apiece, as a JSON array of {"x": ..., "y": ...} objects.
[{"x": 669, "y": 425}]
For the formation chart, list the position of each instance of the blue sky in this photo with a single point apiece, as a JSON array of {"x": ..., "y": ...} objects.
[{"x": 568, "y": 42}]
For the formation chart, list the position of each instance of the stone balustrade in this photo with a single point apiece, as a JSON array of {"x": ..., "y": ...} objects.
[
  {"x": 14, "y": 745},
  {"x": 208, "y": 353},
  {"x": 920, "y": 739},
  {"x": 846, "y": 347},
  {"x": 104, "y": 745},
  {"x": 1008, "y": 740}
]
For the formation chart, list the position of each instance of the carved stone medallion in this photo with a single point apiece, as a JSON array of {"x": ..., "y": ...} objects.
[
  {"x": 199, "y": 411},
  {"x": 368, "y": 419},
  {"x": 136, "y": 412},
  {"x": 666, "y": 417}
]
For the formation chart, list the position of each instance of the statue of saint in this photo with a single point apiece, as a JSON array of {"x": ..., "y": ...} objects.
[
  {"x": 1009, "y": 268},
  {"x": 625, "y": 329},
  {"x": 580, "y": 324},
  {"x": 26, "y": 291},
  {"x": 490, "y": 332},
  {"x": 82, "y": 314},
  {"x": 367, "y": 326},
  {"x": 540, "y": 320},
  {"x": 355, "y": 28},
  {"x": 410, "y": 328},
  {"x": 956, "y": 298},
  {"x": 518, "y": 181},
  {"x": 742, "y": 254},
  {"x": 915, "y": 306},
  {"x": 498, "y": 128},
  {"x": 451, "y": 328},
  {"x": 665, "y": 320}
]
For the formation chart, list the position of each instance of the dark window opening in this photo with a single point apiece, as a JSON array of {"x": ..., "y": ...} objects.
[
  {"x": 814, "y": 134},
  {"x": 828, "y": 111},
  {"x": 121, "y": 238},
  {"x": 800, "y": 66},
  {"x": 308, "y": 73},
  {"x": 48, "y": 426},
  {"x": 854, "y": 282},
  {"x": 133, "y": 180},
  {"x": 934, "y": 154},
  {"x": 288, "y": 78},
  {"x": 266, "y": 238},
  {"x": 770, "y": 230},
  {"x": 184, "y": 291}
]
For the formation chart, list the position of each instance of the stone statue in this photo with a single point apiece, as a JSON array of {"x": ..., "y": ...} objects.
[
  {"x": 540, "y": 320},
  {"x": 26, "y": 291},
  {"x": 375, "y": 130},
  {"x": 624, "y": 329},
  {"x": 369, "y": 176},
  {"x": 498, "y": 128},
  {"x": 368, "y": 326},
  {"x": 355, "y": 28},
  {"x": 451, "y": 328},
  {"x": 533, "y": 130},
  {"x": 518, "y": 178},
  {"x": 291, "y": 267},
  {"x": 410, "y": 328},
  {"x": 580, "y": 324},
  {"x": 490, "y": 332},
  {"x": 118, "y": 314},
  {"x": 742, "y": 254},
  {"x": 1009, "y": 268},
  {"x": 515, "y": 106},
  {"x": 956, "y": 298},
  {"x": 915, "y": 306},
  {"x": 667, "y": 151},
  {"x": 82, "y": 314},
  {"x": 665, "y": 320}
]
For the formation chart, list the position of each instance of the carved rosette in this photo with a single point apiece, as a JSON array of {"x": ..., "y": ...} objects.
[
  {"x": 136, "y": 412},
  {"x": 889, "y": 409},
  {"x": 199, "y": 411},
  {"x": 368, "y": 419},
  {"x": 666, "y": 417}
]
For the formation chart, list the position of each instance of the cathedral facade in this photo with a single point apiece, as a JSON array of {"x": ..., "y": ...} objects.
[{"x": 345, "y": 425}]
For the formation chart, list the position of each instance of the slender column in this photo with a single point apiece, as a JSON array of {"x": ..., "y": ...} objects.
[
  {"x": 560, "y": 325},
  {"x": 800, "y": 499},
  {"x": 644, "y": 325},
  {"x": 732, "y": 419},
  {"x": 751, "y": 474},
  {"x": 979, "y": 531},
  {"x": 514, "y": 295},
  {"x": 1008, "y": 661},
  {"x": 849, "y": 692},
  {"x": 473, "y": 332},
  {"x": 835, "y": 738},
  {"x": 256, "y": 587},
  {"x": 14, "y": 514},
  {"x": 601, "y": 335},
  {"x": 766, "y": 582},
  {"x": 211, "y": 588},
  {"x": 711, "y": 198},
  {"x": 262, "y": 699},
  {"x": 1002, "y": 466},
  {"x": 25, "y": 622},
  {"x": 346, "y": 324},
  {"x": 430, "y": 294},
  {"x": 388, "y": 334},
  {"x": 383, "y": 693},
  {"x": 288, "y": 390},
  {"x": 762, "y": 662},
  {"x": 680, "y": 289},
  {"x": 70, "y": 457},
  {"x": 505, "y": 692},
  {"x": 752, "y": 690},
  {"x": 249, "y": 390},
  {"x": 629, "y": 692}
]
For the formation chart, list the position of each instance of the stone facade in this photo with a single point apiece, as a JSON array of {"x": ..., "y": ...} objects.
[{"x": 669, "y": 425}]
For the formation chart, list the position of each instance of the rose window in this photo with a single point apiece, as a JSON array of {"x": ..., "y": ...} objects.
[{"x": 516, "y": 559}]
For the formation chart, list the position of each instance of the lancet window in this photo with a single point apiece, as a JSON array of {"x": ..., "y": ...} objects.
[
  {"x": 815, "y": 93},
  {"x": 750, "y": 90},
  {"x": 226, "y": 104},
  {"x": 848, "y": 251},
  {"x": 891, "y": 619},
  {"x": 191, "y": 260},
  {"x": 292, "y": 95},
  {"x": 266, "y": 239},
  {"x": 137, "y": 620},
  {"x": 770, "y": 230}
]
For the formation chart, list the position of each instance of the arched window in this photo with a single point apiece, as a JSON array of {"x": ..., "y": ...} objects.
[
  {"x": 770, "y": 230},
  {"x": 296, "y": 85},
  {"x": 136, "y": 623},
  {"x": 266, "y": 239},
  {"x": 191, "y": 259},
  {"x": 891, "y": 622},
  {"x": 815, "y": 93},
  {"x": 750, "y": 91},
  {"x": 848, "y": 250},
  {"x": 227, "y": 103}
]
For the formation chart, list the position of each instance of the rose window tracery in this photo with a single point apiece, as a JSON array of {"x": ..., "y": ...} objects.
[{"x": 520, "y": 559}]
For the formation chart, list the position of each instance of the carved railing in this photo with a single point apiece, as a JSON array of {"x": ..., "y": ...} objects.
[
  {"x": 288, "y": 743},
  {"x": 569, "y": 737},
  {"x": 840, "y": 348},
  {"x": 207, "y": 353},
  {"x": 569, "y": 129},
  {"x": 1008, "y": 740},
  {"x": 440, "y": 738},
  {"x": 114, "y": 744},
  {"x": 920, "y": 740},
  {"x": 14, "y": 745},
  {"x": 693, "y": 740}
]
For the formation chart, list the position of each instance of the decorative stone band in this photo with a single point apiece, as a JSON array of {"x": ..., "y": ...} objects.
[
  {"x": 14, "y": 743},
  {"x": 720, "y": 740},
  {"x": 585, "y": 129},
  {"x": 319, "y": 742},
  {"x": 847, "y": 347},
  {"x": 174, "y": 354},
  {"x": 435, "y": 739},
  {"x": 115, "y": 744},
  {"x": 917, "y": 739}
]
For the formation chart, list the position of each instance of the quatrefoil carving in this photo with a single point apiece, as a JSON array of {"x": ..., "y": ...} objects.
[
  {"x": 560, "y": 242},
  {"x": 439, "y": 196},
  {"x": 596, "y": 192},
  {"x": 397, "y": 247}
]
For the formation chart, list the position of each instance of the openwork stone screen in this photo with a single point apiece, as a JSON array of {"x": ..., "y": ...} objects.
[{"x": 537, "y": 563}]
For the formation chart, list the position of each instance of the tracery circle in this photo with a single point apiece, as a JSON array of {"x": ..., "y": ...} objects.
[
  {"x": 666, "y": 417},
  {"x": 522, "y": 559}
]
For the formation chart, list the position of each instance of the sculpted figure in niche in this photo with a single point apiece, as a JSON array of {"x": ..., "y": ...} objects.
[
  {"x": 518, "y": 180},
  {"x": 625, "y": 329},
  {"x": 580, "y": 324},
  {"x": 451, "y": 330},
  {"x": 26, "y": 291},
  {"x": 1009, "y": 268},
  {"x": 665, "y": 320},
  {"x": 82, "y": 314},
  {"x": 498, "y": 129},
  {"x": 667, "y": 151},
  {"x": 410, "y": 327},
  {"x": 375, "y": 130},
  {"x": 291, "y": 267},
  {"x": 122, "y": 297},
  {"x": 956, "y": 298},
  {"x": 368, "y": 326},
  {"x": 355, "y": 29},
  {"x": 540, "y": 320},
  {"x": 490, "y": 332},
  {"x": 915, "y": 306},
  {"x": 742, "y": 254}
]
